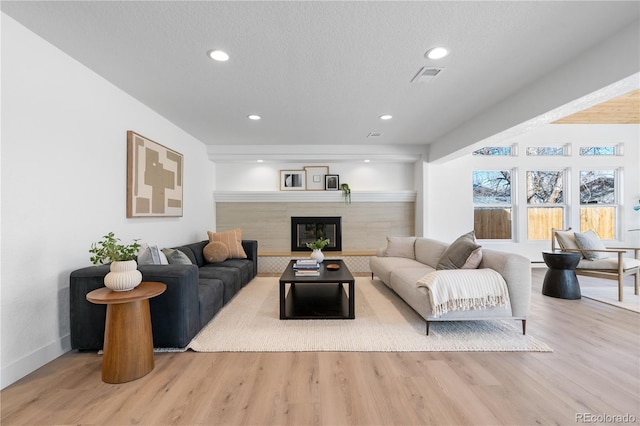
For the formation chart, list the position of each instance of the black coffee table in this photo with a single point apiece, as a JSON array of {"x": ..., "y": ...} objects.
[{"x": 321, "y": 297}]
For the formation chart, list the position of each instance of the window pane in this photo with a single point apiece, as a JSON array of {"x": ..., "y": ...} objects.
[
  {"x": 598, "y": 187},
  {"x": 545, "y": 187},
  {"x": 492, "y": 187},
  {"x": 599, "y": 219},
  {"x": 540, "y": 220},
  {"x": 597, "y": 150},
  {"x": 545, "y": 150},
  {"x": 492, "y": 223},
  {"x": 493, "y": 150}
]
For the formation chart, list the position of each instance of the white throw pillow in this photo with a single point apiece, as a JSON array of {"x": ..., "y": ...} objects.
[
  {"x": 151, "y": 255},
  {"x": 401, "y": 247},
  {"x": 590, "y": 241}
]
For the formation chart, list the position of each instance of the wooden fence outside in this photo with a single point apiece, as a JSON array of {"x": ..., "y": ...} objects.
[
  {"x": 495, "y": 223},
  {"x": 492, "y": 224}
]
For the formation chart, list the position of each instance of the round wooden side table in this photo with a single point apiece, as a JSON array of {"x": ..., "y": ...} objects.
[
  {"x": 560, "y": 280},
  {"x": 128, "y": 340}
]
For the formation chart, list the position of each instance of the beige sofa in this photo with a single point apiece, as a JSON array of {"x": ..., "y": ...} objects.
[{"x": 401, "y": 265}]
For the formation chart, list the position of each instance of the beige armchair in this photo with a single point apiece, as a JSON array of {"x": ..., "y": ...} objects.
[{"x": 599, "y": 261}]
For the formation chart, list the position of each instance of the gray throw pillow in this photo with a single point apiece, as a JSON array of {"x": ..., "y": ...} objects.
[
  {"x": 590, "y": 241},
  {"x": 461, "y": 250},
  {"x": 176, "y": 257}
]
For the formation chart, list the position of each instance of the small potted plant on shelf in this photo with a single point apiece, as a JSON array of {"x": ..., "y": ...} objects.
[
  {"x": 317, "y": 247},
  {"x": 346, "y": 193},
  {"x": 124, "y": 274}
]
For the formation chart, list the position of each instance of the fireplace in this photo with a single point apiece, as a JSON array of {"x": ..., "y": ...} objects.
[{"x": 309, "y": 229}]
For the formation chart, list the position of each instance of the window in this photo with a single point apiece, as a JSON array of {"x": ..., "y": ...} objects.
[
  {"x": 493, "y": 150},
  {"x": 493, "y": 208},
  {"x": 545, "y": 203},
  {"x": 545, "y": 150},
  {"x": 598, "y": 202},
  {"x": 565, "y": 185},
  {"x": 597, "y": 150}
]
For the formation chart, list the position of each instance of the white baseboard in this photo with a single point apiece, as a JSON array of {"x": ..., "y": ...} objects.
[{"x": 28, "y": 364}]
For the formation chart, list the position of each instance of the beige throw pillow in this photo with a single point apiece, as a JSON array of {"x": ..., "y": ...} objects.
[
  {"x": 215, "y": 252},
  {"x": 401, "y": 247},
  {"x": 232, "y": 239},
  {"x": 567, "y": 240},
  {"x": 474, "y": 259}
]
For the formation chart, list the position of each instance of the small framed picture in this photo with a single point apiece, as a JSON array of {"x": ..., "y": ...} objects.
[
  {"x": 315, "y": 177},
  {"x": 292, "y": 180},
  {"x": 331, "y": 182}
]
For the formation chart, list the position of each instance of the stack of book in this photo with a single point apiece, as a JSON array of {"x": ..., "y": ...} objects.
[{"x": 306, "y": 268}]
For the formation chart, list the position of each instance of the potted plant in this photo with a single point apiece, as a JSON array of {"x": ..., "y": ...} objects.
[
  {"x": 124, "y": 274},
  {"x": 317, "y": 247},
  {"x": 346, "y": 193}
]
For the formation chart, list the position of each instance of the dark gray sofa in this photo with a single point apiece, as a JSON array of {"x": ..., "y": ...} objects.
[{"x": 195, "y": 293}]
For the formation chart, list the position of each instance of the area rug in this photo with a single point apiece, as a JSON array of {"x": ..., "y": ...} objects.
[
  {"x": 383, "y": 323},
  {"x": 609, "y": 295}
]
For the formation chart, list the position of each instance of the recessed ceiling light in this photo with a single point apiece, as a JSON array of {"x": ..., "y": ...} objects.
[
  {"x": 367, "y": 161},
  {"x": 254, "y": 117},
  {"x": 218, "y": 55},
  {"x": 436, "y": 53},
  {"x": 386, "y": 117},
  {"x": 260, "y": 161}
]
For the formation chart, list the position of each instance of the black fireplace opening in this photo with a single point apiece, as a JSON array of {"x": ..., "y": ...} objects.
[{"x": 310, "y": 229}]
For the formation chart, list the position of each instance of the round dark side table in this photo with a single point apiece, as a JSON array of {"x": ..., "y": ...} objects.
[{"x": 560, "y": 280}]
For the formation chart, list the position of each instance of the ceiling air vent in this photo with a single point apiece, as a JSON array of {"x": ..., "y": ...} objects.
[
  {"x": 426, "y": 74},
  {"x": 374, "y": 135}
]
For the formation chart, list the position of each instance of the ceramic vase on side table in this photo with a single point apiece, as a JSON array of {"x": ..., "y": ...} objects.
[
  {"x": 123, "y": 276},
  {"x": 317, "y": 254}
]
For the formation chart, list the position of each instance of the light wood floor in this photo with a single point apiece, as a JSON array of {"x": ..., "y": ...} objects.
[{"x": 595, "y": 369}]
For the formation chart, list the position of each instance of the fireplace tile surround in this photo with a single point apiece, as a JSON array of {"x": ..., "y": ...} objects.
[{"x": 365, "y": 225}]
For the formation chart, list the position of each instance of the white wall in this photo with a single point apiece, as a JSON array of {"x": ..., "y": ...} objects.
[
  {"x": 450, "y": 207},
  {"x": 373, "y": 176},
  {"x": 64, "y": 186}
]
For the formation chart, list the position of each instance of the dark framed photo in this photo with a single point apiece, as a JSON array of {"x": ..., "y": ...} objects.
[{"x": 331, "y": 182}]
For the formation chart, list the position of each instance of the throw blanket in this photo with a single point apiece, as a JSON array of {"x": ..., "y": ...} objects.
[{"x": 464, "y": 289}]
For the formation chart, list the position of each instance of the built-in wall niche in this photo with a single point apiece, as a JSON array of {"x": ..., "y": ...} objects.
[{"x": 308, "y": 229}]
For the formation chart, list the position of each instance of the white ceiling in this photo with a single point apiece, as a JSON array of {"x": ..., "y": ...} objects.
[{"x": 321, "y": 72}]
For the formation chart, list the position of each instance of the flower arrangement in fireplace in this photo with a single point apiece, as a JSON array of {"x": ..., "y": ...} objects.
[{"x": 319, "y": 244}]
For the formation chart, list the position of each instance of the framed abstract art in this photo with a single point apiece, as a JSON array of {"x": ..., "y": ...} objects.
[{"x": 154, "y": 178}]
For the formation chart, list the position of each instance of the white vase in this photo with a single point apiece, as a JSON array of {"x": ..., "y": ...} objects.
[
  {"x": 124, "y": 276},
  {"x": 316, "y": 254}
]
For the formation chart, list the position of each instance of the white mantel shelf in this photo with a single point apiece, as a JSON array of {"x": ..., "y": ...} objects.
[{"x": 312, "y": 196}]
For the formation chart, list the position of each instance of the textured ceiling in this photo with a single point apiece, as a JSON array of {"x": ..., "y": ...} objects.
[{"x": 321, "y": 72}]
